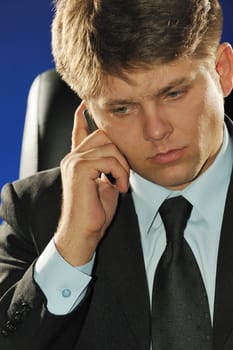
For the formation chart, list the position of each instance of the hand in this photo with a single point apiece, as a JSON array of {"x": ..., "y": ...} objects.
[{"x": 89, "y": 199}]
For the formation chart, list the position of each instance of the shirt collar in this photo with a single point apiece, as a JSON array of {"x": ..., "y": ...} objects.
[
  {"x": 206, "y": 193},
  {"x": 147, "y": 198}
]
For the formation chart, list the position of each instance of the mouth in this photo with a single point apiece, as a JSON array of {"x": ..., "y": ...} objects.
[{"x": 169, "y": 156}]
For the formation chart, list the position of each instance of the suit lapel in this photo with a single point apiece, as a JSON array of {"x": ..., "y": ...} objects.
[
  {"x": 223, "y": 311},
  {"x": 121, "y": 262}
]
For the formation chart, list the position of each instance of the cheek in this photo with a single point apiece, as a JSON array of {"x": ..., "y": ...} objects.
[
  {"x": 200, "y": 111},
  {"x": 202, "y": 125},
  {"x": 129, "y": 142},
  {"x": 210, "y": 132},
  {"x": 124, "y": 135}
]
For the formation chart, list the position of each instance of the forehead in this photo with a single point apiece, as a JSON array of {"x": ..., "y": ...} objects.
[{"x": 150, "y": 81}]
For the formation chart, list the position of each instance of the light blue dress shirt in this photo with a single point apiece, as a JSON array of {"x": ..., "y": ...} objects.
[{"x": 65, "y": 286}]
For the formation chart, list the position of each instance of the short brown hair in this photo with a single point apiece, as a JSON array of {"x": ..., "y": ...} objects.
[{"x": 94, "y": 38}]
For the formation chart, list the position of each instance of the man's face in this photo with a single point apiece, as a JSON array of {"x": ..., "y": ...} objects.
[{"x": 167, "y": 121}]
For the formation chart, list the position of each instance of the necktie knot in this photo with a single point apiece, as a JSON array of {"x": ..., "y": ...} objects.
[{"x": 175, "y": 213}]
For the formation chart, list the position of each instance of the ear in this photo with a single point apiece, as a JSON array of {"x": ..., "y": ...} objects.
[{"x": 224, "y": 67}]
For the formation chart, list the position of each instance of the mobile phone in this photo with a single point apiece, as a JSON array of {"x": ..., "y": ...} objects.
[
  {"x": 92, "y": 127},
  {"x": 90, "y": 121}
]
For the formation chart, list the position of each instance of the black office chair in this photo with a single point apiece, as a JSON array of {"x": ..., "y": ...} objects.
[
  {"x": 229, "y": 105},
  {"x": 49, "y": 121}
]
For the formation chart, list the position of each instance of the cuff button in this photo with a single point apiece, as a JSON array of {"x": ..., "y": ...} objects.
[{"x": 66, "y": 293}]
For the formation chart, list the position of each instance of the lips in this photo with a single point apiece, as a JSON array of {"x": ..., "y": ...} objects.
[{"x": 167, "y": 157}]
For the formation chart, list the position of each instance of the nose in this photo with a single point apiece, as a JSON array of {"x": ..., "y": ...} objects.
[{"x": 156, "y": 125}]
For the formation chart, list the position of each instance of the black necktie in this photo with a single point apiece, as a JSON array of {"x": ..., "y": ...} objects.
[{"x": 180, "y": 309}]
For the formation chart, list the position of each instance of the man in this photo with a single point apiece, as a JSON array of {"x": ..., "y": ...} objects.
[{"x": 78, "y": 253}]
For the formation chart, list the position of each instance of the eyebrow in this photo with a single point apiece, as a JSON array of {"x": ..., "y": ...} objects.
[
  {"x": 171, "y": 85},
  {"x": 113, "y": 102}
]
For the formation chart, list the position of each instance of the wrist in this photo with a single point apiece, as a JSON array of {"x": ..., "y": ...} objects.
[{"x": 76, "y": 253}]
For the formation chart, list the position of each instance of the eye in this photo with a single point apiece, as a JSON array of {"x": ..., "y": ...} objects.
[
  {"x": 175, "y": 94},
  {"x": 121, "y": 110}
]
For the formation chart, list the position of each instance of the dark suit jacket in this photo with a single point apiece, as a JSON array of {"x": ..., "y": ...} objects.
[{"x": 115, "y": 314}]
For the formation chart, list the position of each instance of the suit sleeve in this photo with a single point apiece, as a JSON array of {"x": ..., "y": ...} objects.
[{"x": 25, "y": 322}]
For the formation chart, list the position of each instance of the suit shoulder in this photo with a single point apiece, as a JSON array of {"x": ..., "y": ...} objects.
[
  {"x": 34, "y": 201},
  {"x": 33, "y": 192},
  {"x": 35, "y": 185}
]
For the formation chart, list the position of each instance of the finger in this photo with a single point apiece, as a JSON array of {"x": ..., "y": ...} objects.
[
  {"x": 105, "y": 150},
  {"x": 80, "y": 129},
  {"x": 93, "y": 168},
  {"x": 117, "y": 171}
]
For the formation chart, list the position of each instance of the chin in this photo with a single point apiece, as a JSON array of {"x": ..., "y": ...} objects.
[{"x": 173, "y": 182}]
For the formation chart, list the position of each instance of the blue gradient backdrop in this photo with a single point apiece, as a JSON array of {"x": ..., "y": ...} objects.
[{"x": 25, "y": 52}]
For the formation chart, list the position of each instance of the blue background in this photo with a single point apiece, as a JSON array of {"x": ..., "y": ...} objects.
[{"x": 24, "y": 52}]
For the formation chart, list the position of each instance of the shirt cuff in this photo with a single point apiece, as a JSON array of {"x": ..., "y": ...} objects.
[{"x": 63, "y": 285}]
